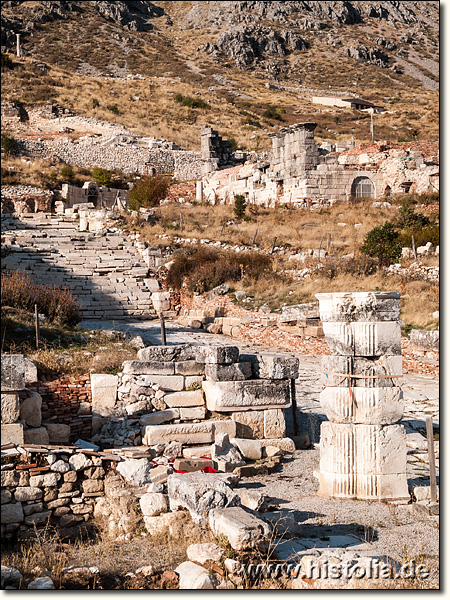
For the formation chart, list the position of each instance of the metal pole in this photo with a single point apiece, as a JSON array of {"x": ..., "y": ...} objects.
[
  {"x": 430, "y": 440},
  {"x": 36, "y": 321},
  {"x": 163, "y": 329},
  {"x": 18, "y": 44},
  {"x": 181, "y": 223},
  {"x": 294, "y": 407},
  {"x": 254, "y": 237},
  {"x": 413, "y": 243}
]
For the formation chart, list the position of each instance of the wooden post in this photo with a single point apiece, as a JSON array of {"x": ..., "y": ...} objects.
[
  {"x": 294, "y": 406},
  {"x": 181, "y": 223},
  {"x": 320, "y": 246},
  {"x": 413, "y": 243},
  {"x": 254, "y": 237},
  {"x": 36, "y": 322},
  {"x": 328, "y": 242},
  {"x": 430, "y": 441},
  {"x": 273, "y": 245},
  {"x": 223, "y": 225},
  {"x": 163, "y": 329}
]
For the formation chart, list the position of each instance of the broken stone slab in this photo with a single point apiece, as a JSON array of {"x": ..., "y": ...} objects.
[
  {"x": 213, "y": 355},
  {"x": 297, "y": 312},
  {"x": 161, "y": 301},
  {"x": 334, "y": 369},
  {"x": 370, "y": 406},
  {"x": 158, "y": 417},
  {"x": 38, "y": 436},
  {"x": 191, "y": 465},
  {"x": 193, "y": 413},
  {"x": 249, "y": 424},
  {"x": 80, "y": 461},
  {"x": 234, "y": 372},
  {"x": 193, "y": 577},
  {"x": 204, "y": 553},
  {"x": 104, "y": 394},
  {"x": 197, "y": 452},
  {"x": 160, "y": 474},
  {"x": 58, "y": 433},
  {"x": 186, "y": 433},
  {"x": 153, "y": 505},
  {"x": 428, "y": 340},
  {"x": 252, "y": 499},
  {"x": 226, "y": 456},
  {"x": 269, "y": 366},
  {"x": 147, "y": 367},
  {"x": 251, "y": 449},
  {"x": 364, "y": 338},
  {"x": 178, "y": 353},
  {"x": 179, "y": 399},
  {"x": 243, "y": 529},
  {"x": 136, "y": 471},
  {"x": 12, "y": 433},
  {"x": 12, "y": 372},
  {"x": 30, "y": 409},
  {"x": 201, "y": 492},
  {"x": 286, "y": 444},
  {"x": 359, "y": 306},
  {"x": 10, "y": 407},
  {"x": 274, "y": 423},
  {"x": 231, "y": 396},
  {"x": 171, "y": 522},
  {"x": 189, "y": 367}
]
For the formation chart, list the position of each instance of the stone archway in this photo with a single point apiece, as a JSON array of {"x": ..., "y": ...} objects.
[{"x": 362, "y": 187}]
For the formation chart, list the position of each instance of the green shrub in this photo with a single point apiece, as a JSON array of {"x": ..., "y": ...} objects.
[
  {"x": 273, "y": 113},
  {"x": 383, "y": 243},
  {"x": 95, "y": 103},
  {"x": 18, "y": 290},
  {"x": 9, "y": 144},
  {"x": 205, "y": 268},
  {"x": 148, "y": 192},
  {"x": 101, "y": 176},
  {"x": 113, "y": 108},
  {"x": 191, "y": 102},
  {"x": 67, "y": 172},
  {"x": 240, "y": 205},
  {"x": 6, "y": 62}
]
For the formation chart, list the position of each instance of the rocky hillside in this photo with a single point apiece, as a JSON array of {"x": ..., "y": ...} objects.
[{"x": 231, "y": 53}]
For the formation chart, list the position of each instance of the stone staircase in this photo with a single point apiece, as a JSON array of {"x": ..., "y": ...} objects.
[{"x": 104, "y": 270}]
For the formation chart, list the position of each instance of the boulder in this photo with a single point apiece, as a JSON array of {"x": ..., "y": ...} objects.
[
  {"x": 136, "y": 471},
  {"x": 153, "y": 505},
  {"x": 204, "y": 553},
  {"x": 80, "y": 461},
  {"x": 30, "y": 409},
  {"x": 243, "y": 529},
  {"x": 10, "y": 576},
  {"x": 193, "y": 577},
  {"x": 41, "y": 583}
]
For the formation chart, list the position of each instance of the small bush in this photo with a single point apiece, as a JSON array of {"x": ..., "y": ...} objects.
[
  {"x": 95, "y": 103},
  {"x": 101, "y": 176},
  {"x": 383, "y": 243},
  {"x": 67, "y": 172},
  {"x": 203, "y": 269},
  {"x": 273, "y": 113},
  {"x": 113, "y": 108},
  {"x": 6, "y": 62},
  {"x": 240, "y": 205},
  {"x": 9, "y": 144},
  {"x": 58, "y": 304},
  {"x": 148, "y": 192},
  {"x": 191, "y": 102}
]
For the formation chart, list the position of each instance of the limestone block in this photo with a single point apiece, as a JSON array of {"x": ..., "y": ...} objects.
[
  {"x": 167, "y": 382},
  {"x": 11, "y": 513},
  {"x": 377, "y": 406},
  {"x": 201, "y": 492},
  {"x": 249, "y": 424},
  {"x": 277, "y": 367},
  {"x": 58, "y": 433},
  {"x": 274, "y": 423},
  {"x": 80, "y": 461},
  {"x": 335, "y": 367},
  {"x": 231, "y": 396},
  {"x": 179, "y": 352},
  {"x": 186, "y": 433},
  {"x": 337, "y": 448},
  {"x": 428, "y": 340},
  {"x": 192, "y": 464},
  {"x": 359, "y": 306},
  {"x": 364, "y": 339},
  {"x": 193, "y": 382},
  {"x": 160, "y": 416},
  {"x": 382, "y": 487},
  {"x": 168, "y": 522},
  {"x": 285, "y": 444},
  {"x": 380, "y": 450},
  {"x": 104, "y": 394},
  {"x": 251, "y": 499},
  {"x": 30, "y": 409},
  {"x": 38, "y": 436},
  {"x": 197, "y": 452},
  {"x": 204, "y": 553},
  {"x": 46, "y": 480},
  {"x": 148, "y": 367},
  {"x": 10, "y": 407},
  {"x": 161, "y": 301},
  {"x": 12, "y": 433},
  {"x": 191, "y": 414},
  {"x": 30, "y": 371},
  {"x": 153, "y": 505},
  {"x": 193, "y": 577},
  {"x": 25, "y": 494},
  {"x": 136, "y": 471},
  {"x": 92, "y": 486},
  {"x": 152, "y": 285},
  {"x": 14, "y": 478},
  {"x": 242, "y": 529},
  {"x": 60, "y": 466},
  {"x": 337, "y": 485},
  {"x": 213, "y": 355},
  {"x": 234, "y": 372},
  {"x": 189, "y": 367},
  {"x": 179, "y": 399},
  {"x": 12, "y": 372},
  {"x": 160, "y": 474},
  {"x": 250, "y": 449}
]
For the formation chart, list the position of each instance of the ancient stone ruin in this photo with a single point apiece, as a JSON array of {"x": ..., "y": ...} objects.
[{"x": 363, "y": 446}]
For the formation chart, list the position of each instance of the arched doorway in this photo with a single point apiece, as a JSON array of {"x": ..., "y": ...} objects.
[{"x": 362, "y": 187}]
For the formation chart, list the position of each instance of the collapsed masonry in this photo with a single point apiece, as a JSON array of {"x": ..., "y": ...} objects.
[
  {"x": 363, "y": 445},
  {"x": 299, "y": 172}
]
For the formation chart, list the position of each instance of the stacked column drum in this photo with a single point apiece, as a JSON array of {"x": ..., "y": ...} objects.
[{"x": 362, "y": 446}]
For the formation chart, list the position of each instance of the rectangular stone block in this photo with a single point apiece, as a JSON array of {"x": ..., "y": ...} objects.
[
  {"x": 249, "y": 424},
  {"x": 191, "y": 414},
  {"x": 364, "y": 338},
  {"x": 12, "y": 433},
  {"x": 38, "y": 435},
  {"x": 12, "y": 372},
  {"x": 192, "y": 464},
  {"x": 10, "y": 407},
  {"x": 231, "y": 396},
  {"x": 186, "y": 433},
  {"x": 380, "y": 450},
  {"x": 192, "y": 382},
  {"x": 234, "y": 372},
  {"x": 370, "y": 372},
  {"x": 251, "y": 449},
  {"x": 277, "y": 367},
  {"x": 243, "y": 529},
  {"x": 224, "y": 355},
  {"x": 147, "y": 367},
  {"x": 171, "y": 383},
  {"x": 274, "y": 423},
  {"x": 178, "y": 353},
  {"x": 104, "y": 394},
  {"x": 189, "y": 367},
  {"x": 159, "y": 417},
  {"x": 183, "y": 399},
  {"x": 197, "y": 452}
]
